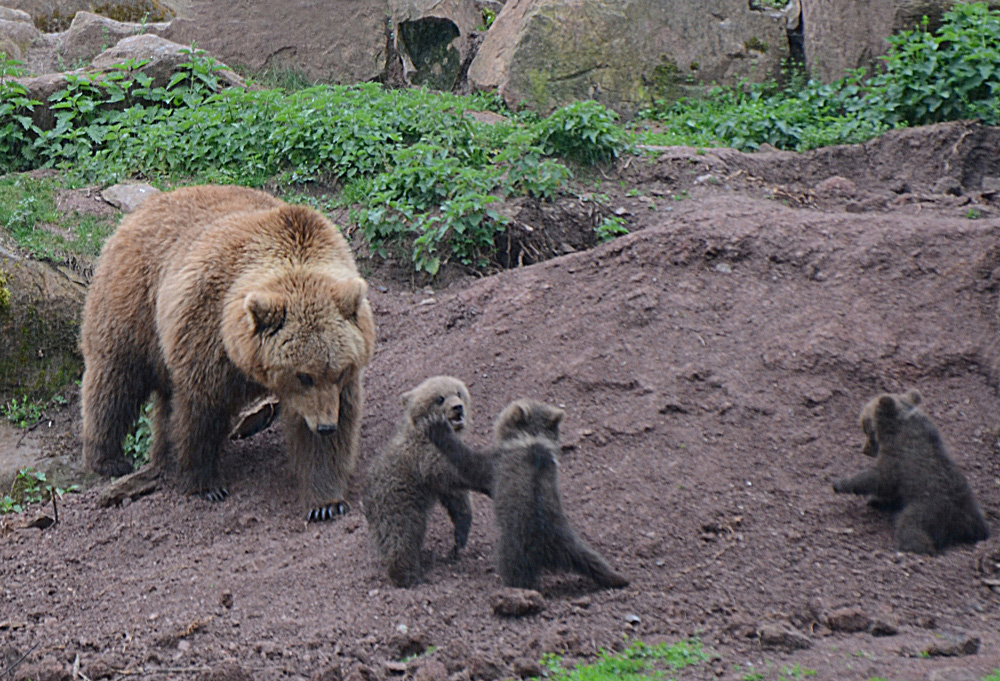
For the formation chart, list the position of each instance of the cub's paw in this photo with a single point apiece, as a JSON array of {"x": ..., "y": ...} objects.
[
  {"x": 329, "y": 512},
  {"x": 217, "y": 494},
  {"x": 437, "y": 427}
]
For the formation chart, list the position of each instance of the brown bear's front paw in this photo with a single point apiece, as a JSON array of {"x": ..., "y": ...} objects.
[
  {"x": 329, "y": 512},
  {"x": 217, "y": 494}
]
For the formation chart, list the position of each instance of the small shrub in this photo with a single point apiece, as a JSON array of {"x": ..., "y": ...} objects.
[
  {"x": 24, "y": 412},
  {"x": 30, "y": 487},
  {"x": 582, "y": 131},
  {"x": 611, "y": 227}
]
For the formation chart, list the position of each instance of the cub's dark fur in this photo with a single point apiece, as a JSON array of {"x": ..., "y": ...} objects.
[
  {"x": 520, "y": 474},
  {"x": 411, "y": 475},
  {"x": 914, "y": 477}
]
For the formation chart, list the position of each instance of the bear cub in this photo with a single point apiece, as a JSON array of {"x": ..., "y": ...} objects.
[
  {"x": 410, "y": 476},
  {"x": 520, "y": 473},
  {"x": 914, "y": 477}
]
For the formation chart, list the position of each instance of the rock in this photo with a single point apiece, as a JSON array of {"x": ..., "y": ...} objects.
[
  {"x": 405, "y": 643},
  {"x": 836, "y": 186},
  {"x": 164, "y": 57},
  {"x": 17, "y": 33},
  {"x": 128, "y": 196},
  {"x": 953, "y": 646},
  {"x": 544, "y": 54},
  {"x": 38, "y": 352},
  {"x": 54, "y": 16},
  {"x": 434, "y": 39},
  {"x": 227, "y": 671},
  {"x": 848, "y": 620},
  {"x": 344, "y": 42},
  {"x": 91, "y": 34},
  {"x": 512, "y": 602},
  {"x": 838, "y": 36},
  {"x": 776, "y": 636},
  {"x": 430, "y": 670},
  {"x": 884, "y": 625},
  {"x": 527, "y": 668},
  {"x": 484, "y": 668}
]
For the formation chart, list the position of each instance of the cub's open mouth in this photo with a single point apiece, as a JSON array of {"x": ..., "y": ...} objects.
[{"x": 457, "y": 423}]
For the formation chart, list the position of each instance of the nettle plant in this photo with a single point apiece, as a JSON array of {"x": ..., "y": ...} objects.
[{"x": 424, "y": 175}]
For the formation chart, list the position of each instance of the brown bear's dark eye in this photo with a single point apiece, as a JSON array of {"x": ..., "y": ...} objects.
[
  {"x": 440, "y": 399},
  {"x": 306, "y": 380}
]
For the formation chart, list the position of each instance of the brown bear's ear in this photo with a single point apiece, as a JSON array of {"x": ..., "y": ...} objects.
[
  {"x": 265, "y": 312},
  {"x": 913, "y": 396},
  {"x": 350, "y": 293}
]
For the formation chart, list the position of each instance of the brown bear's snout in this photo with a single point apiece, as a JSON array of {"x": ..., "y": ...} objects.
[{"x": 326, "y": 429}]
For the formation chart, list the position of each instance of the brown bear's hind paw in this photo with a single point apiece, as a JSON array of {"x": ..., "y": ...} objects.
[
  {"x": 217, "y": 494},
  {"x": 329, "y": 512},
  {"x": 114, "y": 468}
]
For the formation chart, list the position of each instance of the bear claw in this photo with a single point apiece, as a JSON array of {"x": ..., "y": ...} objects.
[
  {"x": 218, "y": 494},
  {"x": 329, "y": 512}
]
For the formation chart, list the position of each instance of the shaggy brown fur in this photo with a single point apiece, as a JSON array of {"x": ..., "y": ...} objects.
[
  {"x": 520, "y": 475},
  {"x": 914, "y": 477},
  {"x": 410, "y": 476},
  {"x": 208, "y": 297}
]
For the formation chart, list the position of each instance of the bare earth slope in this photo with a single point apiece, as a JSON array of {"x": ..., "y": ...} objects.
[{"x": 712, "y": 366}]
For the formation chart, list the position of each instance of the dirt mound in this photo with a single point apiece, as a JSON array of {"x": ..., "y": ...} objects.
[{"x": 712, "y": 366}]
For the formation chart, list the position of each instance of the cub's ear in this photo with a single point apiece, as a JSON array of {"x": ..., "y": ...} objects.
[
  {"x": 265, "y": 312},
  {"x": 913, "y": 396},
  {"x": 886, "y": 407},
  {"x": 349, "y": 295},
  {"x": 407, "y": 398},
  {"x": 556, "y": 416}
]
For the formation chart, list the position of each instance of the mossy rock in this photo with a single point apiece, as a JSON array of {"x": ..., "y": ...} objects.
[
  {"x": 40, "y": 310},
  {"x": 57, "y": 15}
]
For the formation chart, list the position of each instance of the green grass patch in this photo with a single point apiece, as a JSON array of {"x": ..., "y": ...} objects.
[
  {"x": 28, "y": 214},
  {"x": 637, "y": 662}
]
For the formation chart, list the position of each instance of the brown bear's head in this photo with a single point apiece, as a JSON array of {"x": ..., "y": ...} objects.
[
  {"x": 882, "y": 416},
  {"x": 444, "y": 395},
  {"x": 304, "y": 336},
  {"x": 528, "y": 417}
]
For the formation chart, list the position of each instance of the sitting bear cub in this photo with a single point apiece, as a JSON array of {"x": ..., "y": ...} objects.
[{"x": 914, "y": 477}]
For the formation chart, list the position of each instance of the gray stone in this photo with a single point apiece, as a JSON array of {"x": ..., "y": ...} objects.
[
  {"x": 848, "y": 620},
  {"x": 129, "y": 196},
  {"x": 782, "y": 638}
]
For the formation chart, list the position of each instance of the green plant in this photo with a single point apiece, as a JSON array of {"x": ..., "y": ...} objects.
[
  {"x": 632, "y": 664},
  {"x": 973, "y": 214},
  {"x": 582, "y": 131},
  {"x": 610, "y": 227},
  {"x": 947, "y": 75},
  {"x": 23, "y": 412},
  {"x": 994, "y": 676},
  {"x": 136, "y": 444},
  {"x": 796, "y": 672},
  {"x": 31, "y": 487}
]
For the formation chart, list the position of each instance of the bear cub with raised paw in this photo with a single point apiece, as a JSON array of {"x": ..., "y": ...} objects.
[
  {"x": 914, "y": 478},
  {"x": 410, "y": 476},
  {"x": 520, "y": 474}
]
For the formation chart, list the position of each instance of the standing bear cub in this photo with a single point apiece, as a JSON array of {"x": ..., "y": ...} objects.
[
  {"x": 411, "y": 476},
  {"x": 914, "y": 477},
  {"x": 520, "y": 474},
  {"x": 209, "y": 297}
]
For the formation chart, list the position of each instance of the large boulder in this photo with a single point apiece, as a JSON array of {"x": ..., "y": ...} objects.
[
  {"x": 848, "y": 34},
  {"x": 91, "y": 34},
  {"x": 339, "y": 41},
  {"x": 40, "y": 310},
  {"x": 54, "y": 16},
  {"x": 546, "y": 53},
  {"x": 434, "y": 38}
]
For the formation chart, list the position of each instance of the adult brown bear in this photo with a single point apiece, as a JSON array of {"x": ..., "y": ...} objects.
[{"x": 207, "y": 297}]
